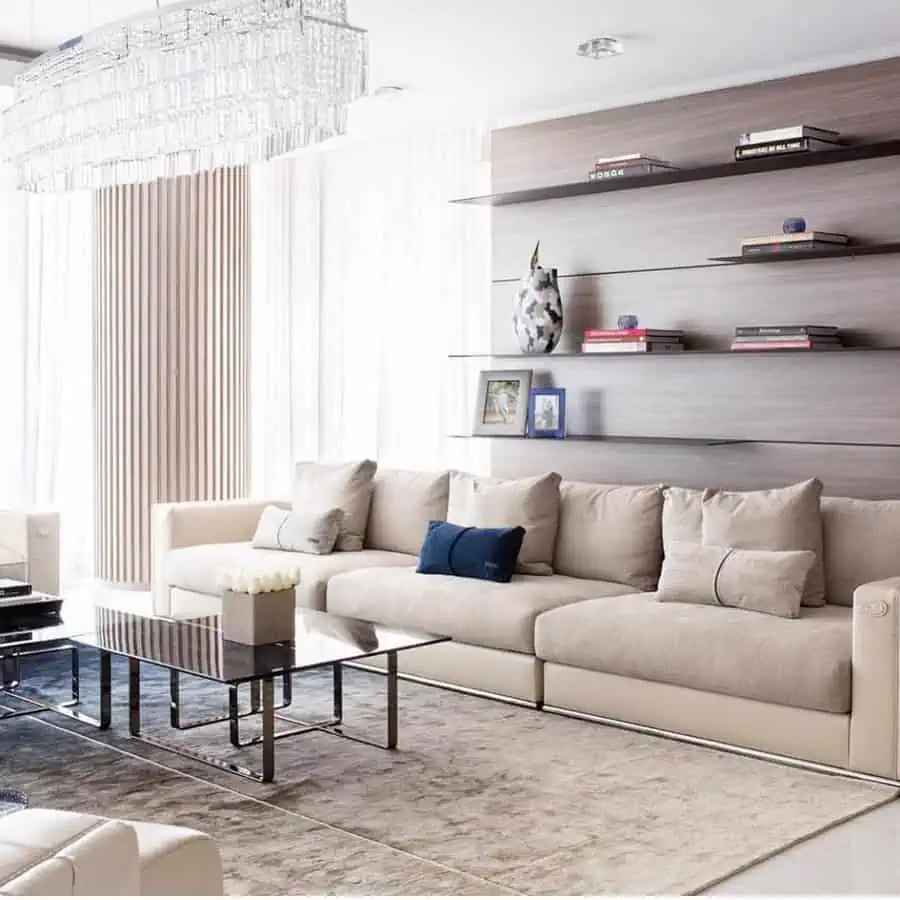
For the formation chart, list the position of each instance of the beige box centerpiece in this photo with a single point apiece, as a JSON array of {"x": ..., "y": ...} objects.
[{"x": 258, "y": 609}]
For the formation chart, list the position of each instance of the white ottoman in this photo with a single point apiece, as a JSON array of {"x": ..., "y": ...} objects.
[{"x": 50, "y": 852}]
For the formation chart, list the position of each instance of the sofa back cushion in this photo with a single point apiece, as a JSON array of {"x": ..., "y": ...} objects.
[
  {"x": 532, "y": 503},
  {"x": 610, "y": 533},
  {"x": 782, "y": 519},
  {"x": 682, "y": 516},
  {"x": 403, "y": 503},
  {"x": 346, "y": 486},
  {"x": 862, "y": 544}
]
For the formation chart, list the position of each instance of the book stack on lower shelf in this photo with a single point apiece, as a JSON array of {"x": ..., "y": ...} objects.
[
  {"x": 789, "y": 140},
  {"x": 632, "y": 340},
  {"x": 797, "y": 242},
  {"x": 628, "y": 164},
  {"x": 786, "y": 337}
]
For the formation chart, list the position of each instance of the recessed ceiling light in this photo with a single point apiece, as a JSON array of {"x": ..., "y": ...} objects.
[
  {"x": 601, "y": 48},
  {"x": 388, "y": 90}
]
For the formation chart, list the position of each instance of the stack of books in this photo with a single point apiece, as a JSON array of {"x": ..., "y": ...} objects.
[
  {"x": 632, "y": 340},
  {"x": 628, "y": 164},
  {"x": 792, "y": 139},
  {"x": 786, "y": 337},
  {"x": 798, "y": 242}
]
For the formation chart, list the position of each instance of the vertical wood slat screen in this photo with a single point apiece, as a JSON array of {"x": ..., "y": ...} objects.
[{"x": 171, "y": 357}]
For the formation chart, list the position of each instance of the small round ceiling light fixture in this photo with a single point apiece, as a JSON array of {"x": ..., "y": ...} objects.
[
  {"x": 389, "y": 90},
  {"x": 601, "y": 48}
]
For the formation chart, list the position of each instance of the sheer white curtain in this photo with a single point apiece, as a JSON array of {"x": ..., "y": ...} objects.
[
  {"x": 46, "y": 389},
  {"x": 365, "y": 279}
]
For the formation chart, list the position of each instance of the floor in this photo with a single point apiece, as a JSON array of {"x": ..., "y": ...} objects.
[{"x": 860, "y": 857}]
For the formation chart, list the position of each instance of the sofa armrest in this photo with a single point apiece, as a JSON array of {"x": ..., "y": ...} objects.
[
  {"x": 875, "y": 717},
  {"x": 175, "y": 525},
  {"x": 32, "y": 538}
]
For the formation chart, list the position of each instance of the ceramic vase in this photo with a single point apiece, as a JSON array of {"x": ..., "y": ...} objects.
[{"x": 538, "y": 315}]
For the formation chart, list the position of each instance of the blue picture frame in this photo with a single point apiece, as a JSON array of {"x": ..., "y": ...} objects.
[{"x": 547, "y": 413}]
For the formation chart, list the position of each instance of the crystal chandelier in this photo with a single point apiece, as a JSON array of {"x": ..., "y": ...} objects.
[{"x": 183, "y": 89}]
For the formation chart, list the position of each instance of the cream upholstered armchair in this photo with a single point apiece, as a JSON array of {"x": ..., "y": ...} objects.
[{"x": 29, "y": 548}]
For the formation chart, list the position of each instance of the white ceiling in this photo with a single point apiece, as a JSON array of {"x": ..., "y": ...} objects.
[{"x": 514, "y": 60}]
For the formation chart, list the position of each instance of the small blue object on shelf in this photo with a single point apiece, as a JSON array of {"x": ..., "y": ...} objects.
[
  {"x": 793, "y": 225},
  {"x": 626, "y": 322},
  {"x": 547, "y": 413}
]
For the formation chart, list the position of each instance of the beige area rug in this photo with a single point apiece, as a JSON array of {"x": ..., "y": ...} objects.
[{"x": 482, "y": 797}]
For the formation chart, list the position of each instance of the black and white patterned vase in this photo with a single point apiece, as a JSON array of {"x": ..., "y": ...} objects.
[{"x": 538, "y": 316}]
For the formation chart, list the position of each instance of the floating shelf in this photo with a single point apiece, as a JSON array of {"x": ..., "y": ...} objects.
[
  {"x": 780, "y": 351},
  {"x": 677, "y": 441},
  {"x": 610, "y": 439},
  {"x": 797, "y": 255},
  {"x": 851, "y": 153}
]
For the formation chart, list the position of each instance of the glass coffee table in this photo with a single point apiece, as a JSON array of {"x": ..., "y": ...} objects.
[
  {"x": 195, "y": 647},
  {"x": 31, "y": 629}
]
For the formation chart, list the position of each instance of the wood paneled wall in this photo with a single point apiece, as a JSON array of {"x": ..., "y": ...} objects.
[
  {"x": 831, "y": 401},
  {"x": 171, "y": 386}
]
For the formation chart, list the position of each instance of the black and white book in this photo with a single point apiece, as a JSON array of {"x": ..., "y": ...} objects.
[
  {"x": 779, "y": 148},
  {"x": 10, "y": 587},
  {"x": 789, "y": 133},
  {"x": 782, "y": 249},
  {"x": 629, "y": 170},
  {"x": 799, "y": 237},
  {"x": 786, "y": 331}
]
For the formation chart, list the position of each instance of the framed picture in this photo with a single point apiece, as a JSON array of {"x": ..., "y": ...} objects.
[
  {"x": 501, "y": 406},
  {"x": 547, "y": 413}
]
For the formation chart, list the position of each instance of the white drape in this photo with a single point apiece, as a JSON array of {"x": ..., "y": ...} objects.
[
  {"x": 365, "y": 278},
  {"x": 46, "y": 389}
]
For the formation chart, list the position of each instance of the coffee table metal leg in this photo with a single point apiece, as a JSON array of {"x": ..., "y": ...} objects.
[
  {"x": 268, "y": 729},
  {"x": 105, "y": 690},
  {"x": 234, "y": 719},
  {"x": 134, "y": 696},
  {"x": 76, "y": 674},
  {"x": 254, "y": 696},
  {"x": 392, "y": 700},
  {"x": 174, "y": 699},
  {"x": 338, "y": 686}
]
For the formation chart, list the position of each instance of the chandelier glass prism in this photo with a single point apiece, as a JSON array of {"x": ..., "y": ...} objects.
[{"x": 183, "y": 89}]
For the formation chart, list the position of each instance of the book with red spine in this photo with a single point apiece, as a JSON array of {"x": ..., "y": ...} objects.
[{"x": 599, "y": 333}]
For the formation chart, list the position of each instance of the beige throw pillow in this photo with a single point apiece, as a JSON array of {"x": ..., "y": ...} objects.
[
  {"x": 403, "y": 503},
  {"x": 610, "y": 533},
  {"x": 532, "y": 503},
  {"x": 782, "y": 519},
  {"x": 347, "y": 487},
  {"x": 765, "y": 581},
  {"x": 280, "y": 529}
]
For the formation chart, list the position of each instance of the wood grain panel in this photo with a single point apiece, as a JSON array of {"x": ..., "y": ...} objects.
[
  {"x": 857, "y": 100},
  {"x": 819, "y": 398}
]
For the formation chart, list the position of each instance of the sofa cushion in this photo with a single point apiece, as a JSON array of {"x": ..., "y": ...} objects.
[
  {"x": 610, "y": 533},
  {"x": 347, "y": 486},
  {"x": 765, "y": 581},
  {"x": 682, "y": 515},
  {"x": 486, "y": 554},
  {"x": 532, "y": 503},
  {"x": 861, "y": 539},
  {"x": 801, "y": 662},
  {"x": 483, "y": 613},
  {"x": 403, "y": 503},
  {"x": 199, "y": 568},
  {"x": 781, "y": 519},
  {"x": 308, "y": 532}
]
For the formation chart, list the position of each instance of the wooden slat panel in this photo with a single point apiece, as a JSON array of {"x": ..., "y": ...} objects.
[{"x": 171, "y": 363}]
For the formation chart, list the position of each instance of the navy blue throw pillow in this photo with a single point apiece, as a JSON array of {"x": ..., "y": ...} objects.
[{"x": 488, "y": 554}]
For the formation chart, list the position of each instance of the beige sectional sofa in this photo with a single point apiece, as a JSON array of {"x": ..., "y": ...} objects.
[{"x": 592, "y": 638}]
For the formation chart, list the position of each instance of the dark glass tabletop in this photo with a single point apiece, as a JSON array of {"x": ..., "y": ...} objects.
[{"x": 196, "y": 647}]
